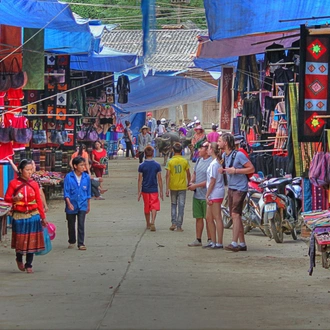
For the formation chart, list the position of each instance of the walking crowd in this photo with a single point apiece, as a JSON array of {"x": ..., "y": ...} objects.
[{"x": 217, "y": 162}]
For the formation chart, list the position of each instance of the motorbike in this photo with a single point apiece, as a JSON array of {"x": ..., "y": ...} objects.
[
  {"x": 252, "y": 214},
  {"x": 281, "y": 213}
]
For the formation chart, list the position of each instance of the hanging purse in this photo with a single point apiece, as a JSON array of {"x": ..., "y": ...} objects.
[
  {"x": 19, "y": 77},
  {"x": 92, "y": 135},
  {"x": 39, "y": 136},
  {"x": 5, "y": 134},
  {"x": 5, "y": 81},
  {"x": 82, "y": 134},
  {"x": 22, "y": 135}
]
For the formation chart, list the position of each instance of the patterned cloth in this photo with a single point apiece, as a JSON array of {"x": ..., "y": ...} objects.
[{"x": 27, "y": 235}]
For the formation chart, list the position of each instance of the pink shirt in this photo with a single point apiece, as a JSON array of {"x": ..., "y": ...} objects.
[{"x": 213, "y": 137}]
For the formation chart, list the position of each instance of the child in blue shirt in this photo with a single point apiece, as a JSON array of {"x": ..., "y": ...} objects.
[
  {"x": 77, "y": 195},
  {"x": 150, "y": 178}
]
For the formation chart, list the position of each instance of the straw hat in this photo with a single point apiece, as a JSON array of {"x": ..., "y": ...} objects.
[
  {"x": 144, "y": 127},
  {"x": 199, "y": 127}
]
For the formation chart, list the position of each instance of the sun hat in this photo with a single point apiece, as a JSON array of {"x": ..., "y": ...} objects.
[
  {"x": 51, "y": 230},
  {"x": 144, "y": 127},
  {"x": 199, "y": 127}
]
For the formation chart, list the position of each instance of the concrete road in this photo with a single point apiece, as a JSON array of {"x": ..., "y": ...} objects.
[{"x": 130, "y": 278}]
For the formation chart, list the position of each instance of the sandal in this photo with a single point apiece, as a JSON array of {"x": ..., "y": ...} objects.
[
  {"x": 82, "y": 247},
  {"x": 20, "y": 266}
]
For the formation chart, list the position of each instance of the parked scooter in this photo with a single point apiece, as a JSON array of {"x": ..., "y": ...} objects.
[
  {"x": 252, "y": 214},
  {"x": 281, "y": 209}
]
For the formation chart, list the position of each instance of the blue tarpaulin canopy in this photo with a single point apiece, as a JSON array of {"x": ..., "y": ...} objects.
[
  {"x": 108, "y": 60},
  {"x": 63, "y": 32},
  {"x": 233, "y": 18},
  {"x": 158, "y": 92}
]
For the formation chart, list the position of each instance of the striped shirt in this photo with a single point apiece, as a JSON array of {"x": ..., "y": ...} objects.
[{"x": 200, "y": 171}]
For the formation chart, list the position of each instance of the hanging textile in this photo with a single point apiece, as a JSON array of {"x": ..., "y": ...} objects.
[
  {"x": 293, "y": 146},
  {"x": 34, "y": 62},
  {"x": 226, "y": 98},
  {"x": 313, "y": 85},
  {"x": 10, "y": 40}
]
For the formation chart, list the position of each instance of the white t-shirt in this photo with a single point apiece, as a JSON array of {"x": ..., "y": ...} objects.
[
  {"x": 219, "y": 188},
  {"x": 78, "y": 178},
  {"x": 161, "y": 129}
]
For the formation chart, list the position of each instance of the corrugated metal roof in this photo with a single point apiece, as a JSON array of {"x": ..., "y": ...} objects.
[{"x": 173, "y": 47}]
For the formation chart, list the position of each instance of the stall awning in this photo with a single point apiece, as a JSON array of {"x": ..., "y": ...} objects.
[
  {"x": 158, "y": 92},
  {"x": 233, "y": 18},
  {"x": 108, "y": 60},
  {"x": 64, "y": 33}
]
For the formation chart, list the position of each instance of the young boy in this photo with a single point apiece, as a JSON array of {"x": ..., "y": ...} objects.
[
  {"x": 150, "y": 178},
  {"x": 177, "y": 178},
  {"x": 77, "y": 194}
]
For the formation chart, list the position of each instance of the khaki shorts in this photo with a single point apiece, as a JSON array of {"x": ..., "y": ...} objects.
[{"x": 236, "y": 201}]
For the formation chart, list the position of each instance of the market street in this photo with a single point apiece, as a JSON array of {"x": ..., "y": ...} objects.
[{"x": 130, "y": 278}]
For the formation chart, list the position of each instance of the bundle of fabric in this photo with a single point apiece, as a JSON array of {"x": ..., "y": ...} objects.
[{"x": 58, "y": 161}]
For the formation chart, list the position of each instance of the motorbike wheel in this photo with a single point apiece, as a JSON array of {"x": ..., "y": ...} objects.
[
  {"x": 294, "y": 234},
  {"x": 276, "y": 227},
  {"x": 247, "y": 229},
  {"x": 226, "y": 218}
]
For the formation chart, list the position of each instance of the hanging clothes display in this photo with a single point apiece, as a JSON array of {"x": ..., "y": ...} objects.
[{"x": 123, "y": 88}]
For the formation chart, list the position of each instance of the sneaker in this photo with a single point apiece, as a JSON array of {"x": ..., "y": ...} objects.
[
  {"x": 215, "y": 247},
  {"x": 195, "y": 243},
  {"x": 152, "y": 227},
  {"x": 209, "y": 244},
  {"x": 29, "y": 270},
  {"x": 232, "y": 248},
  {"x": 242, "y": 248},
  {"x": 71, "y": 246},
  {"x": 172, "y": 227},
  {"x": 82, "y": 247},
  {"x": 179, "y": 229}
]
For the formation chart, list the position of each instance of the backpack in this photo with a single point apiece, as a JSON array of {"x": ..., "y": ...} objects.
[
  {"x": 248, "y": 176},
  {"x": 319, "y": 170}
]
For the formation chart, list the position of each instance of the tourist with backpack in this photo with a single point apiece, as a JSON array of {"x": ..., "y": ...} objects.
[{"x": 236, "y": 168}]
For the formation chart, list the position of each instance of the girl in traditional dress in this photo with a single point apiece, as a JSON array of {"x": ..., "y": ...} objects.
[{"x": 28, "y": 216}]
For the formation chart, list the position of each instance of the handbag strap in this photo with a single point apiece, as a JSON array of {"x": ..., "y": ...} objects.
[{"x": 11, "y": 68}]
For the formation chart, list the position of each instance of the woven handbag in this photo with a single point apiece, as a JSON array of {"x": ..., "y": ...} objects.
[
  {"x": 22, "y": 135},
  {"x": 18, "y": 78},
  {"x": 5, "y": 81}
]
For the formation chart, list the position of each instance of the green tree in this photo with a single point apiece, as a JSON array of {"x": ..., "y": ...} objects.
[{"x": 127, "y": 13}]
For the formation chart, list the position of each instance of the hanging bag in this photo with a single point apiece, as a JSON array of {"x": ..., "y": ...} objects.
[
  {"x": 92, "y": 134},
  {"x": 48, "y": 243},
  {"x": 5, "y": 81},
  {"x": 5, "y": 133},
  {"x": 22, "y": 135},
  {"x": 18, "y": 77},
  {"x": 39, "y": 136},
  {"x": 82, "y": 134}
]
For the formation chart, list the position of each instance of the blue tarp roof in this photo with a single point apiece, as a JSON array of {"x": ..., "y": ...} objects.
[
  {"x": 63, "y": 32},
  {"x": 159, "y": 92},
  {"x": 38, "y": 14},
  {"x": 232, "y": 18},
  {"x": 108, "y": 60}
]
